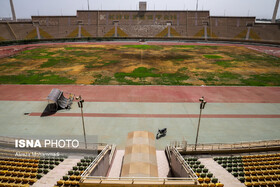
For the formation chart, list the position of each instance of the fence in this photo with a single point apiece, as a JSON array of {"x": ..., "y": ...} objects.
[
  {"x": 182, "y": 146},
  {"x": 138, "y": 180}
]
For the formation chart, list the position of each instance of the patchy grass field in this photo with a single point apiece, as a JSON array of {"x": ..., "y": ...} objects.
[{"x": 141, "y": 65}]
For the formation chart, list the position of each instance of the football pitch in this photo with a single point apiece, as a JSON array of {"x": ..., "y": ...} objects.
[{"x": 141, "y": 65}]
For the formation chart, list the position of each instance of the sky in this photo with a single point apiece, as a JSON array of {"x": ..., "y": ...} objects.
[{"x": 28, "y": 8}]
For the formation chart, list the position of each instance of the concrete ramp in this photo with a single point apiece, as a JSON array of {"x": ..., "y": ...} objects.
[
  {"x": 116, "y": 166},
  {"x": 162, "y": 162}
]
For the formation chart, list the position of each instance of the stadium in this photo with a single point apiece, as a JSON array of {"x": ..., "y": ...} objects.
[{"x": 140, "y": 98}]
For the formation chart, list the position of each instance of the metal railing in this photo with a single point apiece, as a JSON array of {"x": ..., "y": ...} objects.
[
  {"x": 182, "y": 146},
  {"x": 133, "y": 180},
  {"x": 113, "y": 149}
]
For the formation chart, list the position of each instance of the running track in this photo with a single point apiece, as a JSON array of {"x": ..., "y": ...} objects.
[{"x": 212, "y": 94}]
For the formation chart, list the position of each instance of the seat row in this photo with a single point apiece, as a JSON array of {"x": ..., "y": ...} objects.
[
  {"x": 261, "y": 156},
  {"x": 262, "y": 178},
  {"x": 265, "y": 163},
  {"x": 262, "y": 183},
  {"x": 7, "y": 160},
  {"x": 258, "y": 160},
  {"x": 262, "y": 172},
  {"x": 67, "y": 183},
  {"x": 17, "y": 174},
  {"x": 22, "y": 169},
  {"x": 17, "y": 180},
  {"x": 212, "y": 185},
  {"x": 13, "y": 185},
  {"x": 19, "y": 164}
]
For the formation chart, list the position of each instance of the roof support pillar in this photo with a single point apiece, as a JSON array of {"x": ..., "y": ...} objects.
[
  {"x": 275, "y": 11},
  {"x": 13, "y": 10}
]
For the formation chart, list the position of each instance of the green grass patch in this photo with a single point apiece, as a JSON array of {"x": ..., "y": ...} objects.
[
  {"x": 183, "y": 69},
  {"x": 179, "y": 59},
  {"x": 212, "y": 56},
  {"x": 32, "y": 77},
  {"x": 102, "y": 80},
  {"x": 81, "y": 54},
  {"x": 111, "y": 62},
  {"x": 173, "y": 79},
  {"x": 260, "y": 59},
  {"x": 37, "y": 53},
  {"x": 218, "y": 78},
  {"x": 224, "y": 63},
  {"x": 11, "y": 64},
  {"x": 153, "y": 47},
  {"x": 55, "y": 61},
  {"x": 228, "y": 76},
  {"x": 140, "y": 72},
  {"x": 262, "y": 80},
  {"x": 160, "y": 78}
]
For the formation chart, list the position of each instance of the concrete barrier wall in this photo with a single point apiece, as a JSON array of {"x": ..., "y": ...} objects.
[
  {"x": 176, "y": 166},
  {"x": 102, "y": 166},
  {"x": 189, "y": 24}
]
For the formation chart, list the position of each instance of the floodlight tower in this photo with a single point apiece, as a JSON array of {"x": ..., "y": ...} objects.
[
  {"x": 275, "y": 11},
  {"x": 13, "y": 10}
]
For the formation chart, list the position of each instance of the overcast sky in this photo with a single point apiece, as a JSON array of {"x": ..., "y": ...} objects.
[{"x": 27, "y": 8}]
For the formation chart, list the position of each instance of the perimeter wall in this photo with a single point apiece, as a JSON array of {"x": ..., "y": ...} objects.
[{"x": 181, "y": 24}]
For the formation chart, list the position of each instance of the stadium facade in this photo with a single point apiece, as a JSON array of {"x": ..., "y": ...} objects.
[{"x": 142, "y": 23}]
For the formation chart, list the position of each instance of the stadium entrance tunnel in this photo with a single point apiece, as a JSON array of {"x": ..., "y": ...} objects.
[{"x": 138, "y": 165}]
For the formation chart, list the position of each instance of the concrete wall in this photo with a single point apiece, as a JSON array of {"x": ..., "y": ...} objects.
[
  {"x": 102, "y": 166},
  {"x": 191, "y": 24},
  {"x": 176, "y": 166}
]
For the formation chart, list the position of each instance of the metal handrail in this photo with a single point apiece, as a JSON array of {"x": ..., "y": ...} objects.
[
  {"x": 113, "y": 149},
  {"x": 229, "y": 146},
  {"x": 132, "y": 179}
]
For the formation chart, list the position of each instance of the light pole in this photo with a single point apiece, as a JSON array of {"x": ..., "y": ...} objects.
[
  {"x": 202, "y": 105},
  {"x": 80, "y": 104}
]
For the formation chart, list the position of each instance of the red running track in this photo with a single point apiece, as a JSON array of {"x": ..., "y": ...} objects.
[{"x": 92, "y": 93}]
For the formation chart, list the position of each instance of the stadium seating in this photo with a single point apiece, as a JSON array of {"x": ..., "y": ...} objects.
[
  {"x": 24, "y": 171},
  {"x": 205, "y": 178},
  {"x": 253, "y": 170},
  {"x": 73, "y": 176}
]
